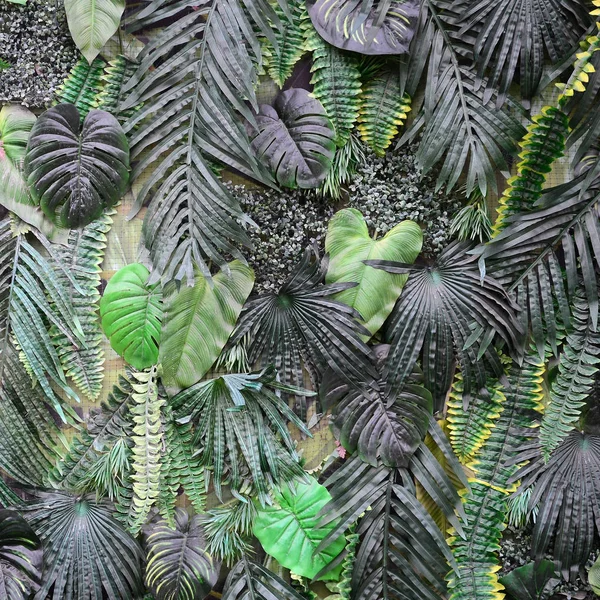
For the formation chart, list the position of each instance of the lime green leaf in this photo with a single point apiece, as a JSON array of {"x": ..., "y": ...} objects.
[
  {"x": 92, "y": 23},
  {"x": 348, "y": 244},
  {"x": 131, "y": 314},
  {"x": 198, "y": 323},
  {"x": 290, "y": 532}
]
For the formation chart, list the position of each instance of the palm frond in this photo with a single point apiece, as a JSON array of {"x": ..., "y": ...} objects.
[
  {"x": 336, "y": 83},
  {"x": 344, "y": 166},
  {"x": 116, "y": 73},
  {"x": 82, "y": 86},
  {"x": 194, "y": 79},
  {"x": 472, "y": 222},
  {"x": 485, "y": 503}
]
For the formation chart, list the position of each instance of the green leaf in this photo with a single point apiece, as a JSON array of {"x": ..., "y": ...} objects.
[
  {"x": 82, "y": 85},
  {"x": 131, "y": 315},
  {"x": 348, "y": 244},
  {"x": 533, "y": 581},
  {"x": 92, "y": 23},
  {"x": 290, "y": 532},
  {"x": 198, "y": 322}
]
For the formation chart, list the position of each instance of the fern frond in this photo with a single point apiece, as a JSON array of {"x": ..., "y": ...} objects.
[
  {"x": 82, "y": 257},
  {"x": 577, "y": 368},
  {"x": 336, "y": 83},
  {"x": 383, "y": 109},
  {"x": 471, "y": 427},
  {"x": 542, "y": 145},
  {"x": 116, "y": 73},
  {"x": 290, "y": 42},
  {"x": 485, "y": 503},
  {"x": 82, "y": 85}
]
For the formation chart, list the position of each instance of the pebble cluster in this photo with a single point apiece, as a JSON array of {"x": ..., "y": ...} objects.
[{"x": 36, "y": 43}]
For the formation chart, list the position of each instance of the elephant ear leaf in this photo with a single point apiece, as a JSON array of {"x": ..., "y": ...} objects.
[
  {"x": 289, "y": 531},
  {"x": 75, "y": 174},
  {"x": 20, "y": 557},
  {"x": 295, "y": 139},
  {"x": 92, "y": 23},
  {"x": 368, "y": 27},
  {"x": 198, "y": 323},
  {"x": 349, "y": 244},
  {"x": 131, "y": 313}
]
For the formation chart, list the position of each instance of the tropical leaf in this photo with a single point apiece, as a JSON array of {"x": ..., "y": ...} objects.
[
  {"x": 447, "y": 310},
  {"x": 20, "y": 557},
  {"x": 131, "y": 312},
  {"x": 178, "y": 566},
  {"x": 82, "y": 86},
  {"x": 92, "y": 23},
  {"x": 198, "y": 321},
  {"x": 87, "y": 553},
  {"x": 116, "y": 73},
  {"x": 336, "y": 83},
  {"x": 373, "y": 27},
  {"x": 383, "y": 108},
  {"x": 303, "y": 325},
  {"x": 250, "y": 581},
  {"x": 76, "y": 173},
  {"x": 348, "y": 245},
  {"x": 213, "y": 48},
  {"x": 83, "y": 257},
  {"x": 294, "y": 139},
  {"x": 240, "y": 430},
  {"x": 533, "y": 581}
]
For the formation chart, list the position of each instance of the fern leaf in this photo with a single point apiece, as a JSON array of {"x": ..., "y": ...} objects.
[
  {"x": 290, "y": 42},
  {"x": 575, "y": 380},
  {"x": 485, "y": 504},
  {"x": 82, "y": 257},
  {"x": 116, "y": 73},
  {"x": 542, "y": 145},
  {"x": 82, "y": 85},
  {"x": 336, "y": 83},
  {"x": 471, "y": 427}
]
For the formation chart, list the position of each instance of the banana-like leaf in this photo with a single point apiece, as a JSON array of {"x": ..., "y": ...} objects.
[
  {"x": 20, "y": 557},
  {"x": 294, "y": 138},
  {"x": 368, "y": 27},
  {"x": 131, "y": 313},
  {"x": 92, "y": 23},
  {"x": 290, "y": 533},
  {"x": 178, "y": 565},
  {"x": 87, "y": 553},
  {"x": 76, "y": 172},
  {"x": 349, "y": 244},
  {"x": 198, "y": 322},
  {"x": 15, "y": 125}
]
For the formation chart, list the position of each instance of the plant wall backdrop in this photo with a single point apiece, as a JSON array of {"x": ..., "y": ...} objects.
[{"x": 299, "y": 299}]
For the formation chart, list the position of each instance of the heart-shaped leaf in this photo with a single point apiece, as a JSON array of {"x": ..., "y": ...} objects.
[
  {"x": 295, "y": 139},
  {"x": 349, "y": 244},
  {"x": 363, "y": 27},
  {"x": 198, "y": 322},
  {"x": 92, "y": 23},
  {"x": 131, "y": 313},
  {"x": 75, "y": 174},
  {"x": 290, "y": 532}
]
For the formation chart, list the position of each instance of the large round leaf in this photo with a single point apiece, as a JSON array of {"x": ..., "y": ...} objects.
[
  {"x": 348, "y": 244},
  {"x": 295, "y": 139},
  {"x": 290, "y": 532},
  {"x": 364, "y": 27},
  {"x": 178, "y": 565},
  {"x": 198, "y": 322},
  {"x": 20, "y": 557},
  {"x": 92, "y": 23},
  {"x": 76, "y": 174},
  {"x": 131, "y": 313}
]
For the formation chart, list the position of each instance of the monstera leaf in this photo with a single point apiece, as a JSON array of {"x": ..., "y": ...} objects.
[
  {"x": 92, "y": 23},
  {"x": 290, "y": 533},
  {"x": 179, "y": 568},
  {"x": 368, "y": 27},
  {"x": 20, "y": 557},
  {"x": 131, "y": 314},
  {"x": 76, "y": 173},
  {"x": 198, "y": 323},
  {"x": 348, "y": 245},
  {"x": 295, "y": 139}
]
